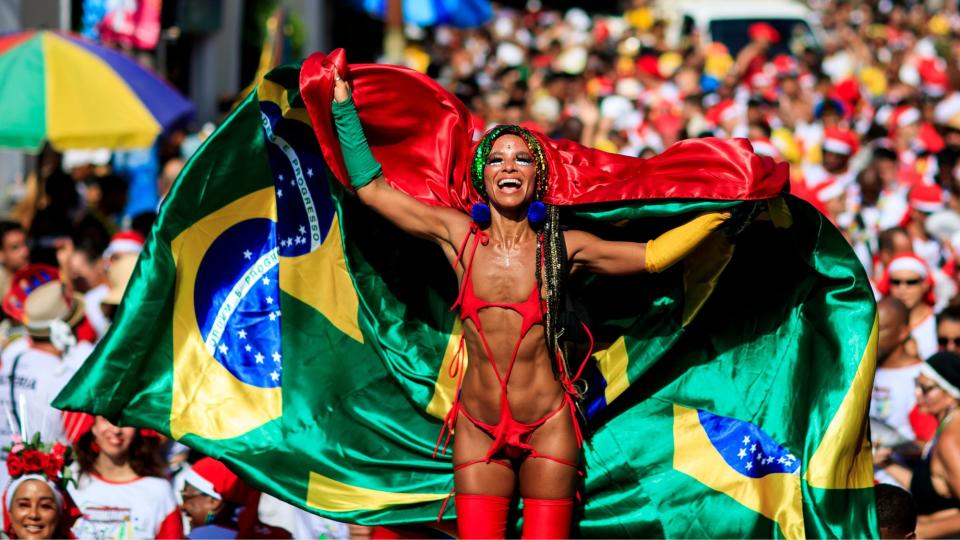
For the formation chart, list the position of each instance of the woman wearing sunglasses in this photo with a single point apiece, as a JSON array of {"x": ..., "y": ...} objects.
[
  {"x": 935, "y": 480},
  {"x": 909, "y": 280}
]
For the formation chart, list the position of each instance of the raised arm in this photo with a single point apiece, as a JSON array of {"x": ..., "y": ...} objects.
[
  {"x": 599, "y": 256},
  {"x": 366, "y": 176}
]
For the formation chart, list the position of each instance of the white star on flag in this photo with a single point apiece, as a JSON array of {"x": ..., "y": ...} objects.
[
  {"x": 746, "y": 440},
  {"x": 242, "y": 334},
  {"x": 781, "y": 461},
  {"x": 753, "y": 448},
  {"x": 280, "y": 177},
  {"x": 742, "y": 453},
  {"x": 259, "y": 358},
  {"x": 280, "y": 193},
  {"x": 310, "y": 173},
  {"x": 269, "y": 299},
  {"x": 223, "y": 348},
  {"x": 275, "y": 376},
  {"x": 273, "y": 317},
  {"x": 247, "y": 347},
  {"x": 266, "y": 281},
  {"x": 303, "y": 229},
  {"x": 247, "y": 254},
  {"x": 276, "y": 357},
  {"x": 749, "y": 465}
]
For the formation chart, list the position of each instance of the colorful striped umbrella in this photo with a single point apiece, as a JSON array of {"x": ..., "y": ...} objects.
[{"x": 61, "y": 88}]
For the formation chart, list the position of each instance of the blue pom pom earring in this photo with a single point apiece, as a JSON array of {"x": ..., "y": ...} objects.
[
  {"x": 480, "y": 212},
  {"x": 537, "y": 214}
]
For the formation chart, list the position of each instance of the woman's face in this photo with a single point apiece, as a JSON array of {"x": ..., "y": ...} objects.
[
  {"x": 33, "y": 510},
  {"x": 509, "y": 173},
  {"x": 931, "y": 399},
  {"x": 197, "y": 505},
  {"x": 113, "y": 441},
  {"x": 909, "y": 287}
]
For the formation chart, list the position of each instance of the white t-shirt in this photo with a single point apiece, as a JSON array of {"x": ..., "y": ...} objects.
[
  {"x": 38, "y": 377},
  {"x": 93, "y": 309},
  {"x": 893, "y": 397},
  {"x": 142, "y": 508},
  {"x": 925, "y": 334}
]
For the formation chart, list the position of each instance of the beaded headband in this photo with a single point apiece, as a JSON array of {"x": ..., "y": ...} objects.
[{"x": 480, "y": 157}]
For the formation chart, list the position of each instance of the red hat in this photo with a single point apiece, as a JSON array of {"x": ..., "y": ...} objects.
[
  {"x": 765, "y": 147},
  {"x": 829, "y": 190},
  {"x": 722, "y": 111},
  {"x": 840, "y": 141},
  {"x": 847, "y": 91},
  {"x": 649, "y": 64},
  {"x": 929, "y": 139},
  {"x": 907, "y": 261},
  {"x": 762, "y": 30},
  {"x": 933, "y": 73},
  {"x": 786, "y": 65},
  {"x": 903, "y": 116},
  {"x": 213, "y": 478},
  {"x": 124, "y": 242},
  {"x": 926, "y": 198}
]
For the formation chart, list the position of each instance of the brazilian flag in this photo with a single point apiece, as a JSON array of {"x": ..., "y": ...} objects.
[{"x": 275, "y": 323}]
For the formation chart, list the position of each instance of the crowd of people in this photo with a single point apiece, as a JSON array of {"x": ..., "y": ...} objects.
[{"x": 869, "y": 121}]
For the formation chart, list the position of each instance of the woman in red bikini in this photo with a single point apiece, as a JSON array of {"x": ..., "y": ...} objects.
[{"x": 514, "y": 418}]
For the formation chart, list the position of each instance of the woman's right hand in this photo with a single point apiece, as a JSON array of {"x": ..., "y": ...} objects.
[{"x": 341, "y": 90}]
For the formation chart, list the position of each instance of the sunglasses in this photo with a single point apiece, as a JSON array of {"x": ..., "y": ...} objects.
[
  {"x": 943, "y": 341},
  {"x": 926, "y": 388},
  {"x": 910, "y": 282}
]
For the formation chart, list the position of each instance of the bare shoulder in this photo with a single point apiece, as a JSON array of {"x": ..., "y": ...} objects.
[{"x": 456, "y": 222}]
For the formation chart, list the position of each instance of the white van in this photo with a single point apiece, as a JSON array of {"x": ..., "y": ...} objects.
[{"x": 726, "y": 21}]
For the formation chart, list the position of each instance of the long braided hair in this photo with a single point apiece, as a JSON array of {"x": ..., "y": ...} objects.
[{"x": 551, "y": 251}]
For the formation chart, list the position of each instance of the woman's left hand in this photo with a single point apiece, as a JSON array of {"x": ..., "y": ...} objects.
[{"x": 341, "y": 90}]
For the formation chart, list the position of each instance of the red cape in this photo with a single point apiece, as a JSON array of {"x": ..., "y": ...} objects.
[{"x": 422, "y": 136}]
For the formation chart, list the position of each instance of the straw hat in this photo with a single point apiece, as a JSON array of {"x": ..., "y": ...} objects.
[
  {"x": 38, "y": 299},
  {"x": 118, "y": 275}
]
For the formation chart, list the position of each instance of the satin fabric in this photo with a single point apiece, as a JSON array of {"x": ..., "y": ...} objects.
[{"x": 422, "y": 136}]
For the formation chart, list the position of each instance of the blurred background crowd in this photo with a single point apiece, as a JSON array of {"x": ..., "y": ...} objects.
[{"x": 860, "y": 97}]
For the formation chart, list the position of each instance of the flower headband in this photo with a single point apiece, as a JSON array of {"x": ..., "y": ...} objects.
[
  {"x": 480, "y": 157},
  {"x": 36, "y": 458}
]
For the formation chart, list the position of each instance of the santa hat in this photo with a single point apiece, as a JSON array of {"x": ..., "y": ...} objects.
[
  {"x": 847, "y": 91},
  {"x": 786, "y": 66},
  {"x": 927, "y": 198},
  {"x": 762, "y": 30},
  {"x": 912, "y": 263},
  {"x": 903, "y": 116},
  {"x": 213, "y": 478},
  {"x": 124, "y": 242},
  {"x": 828, "y": 191},
  {"x": 765, "y": 147},
  {"x": 723, "y": 111},
  {"x": 933, "y": 74},
  {"x": 840, "y": 141},
  {"x": 928, "y": 139}
]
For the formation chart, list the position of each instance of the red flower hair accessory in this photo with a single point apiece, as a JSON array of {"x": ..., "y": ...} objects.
[{"x": 50, "y": 461}]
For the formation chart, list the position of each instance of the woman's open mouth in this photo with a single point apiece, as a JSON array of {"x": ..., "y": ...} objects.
[{"x": 509, "y": 185}]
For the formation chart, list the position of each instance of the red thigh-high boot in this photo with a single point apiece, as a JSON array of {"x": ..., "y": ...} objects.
[
  {"x": 482, "y": 516},
  {"x": 547, "y": 518}
]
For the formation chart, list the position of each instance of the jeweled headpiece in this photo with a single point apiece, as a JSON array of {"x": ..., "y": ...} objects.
[{"x": 480, "y": 157}]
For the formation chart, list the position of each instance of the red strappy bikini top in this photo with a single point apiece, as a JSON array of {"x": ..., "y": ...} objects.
[{"x": 531, "y": 309}]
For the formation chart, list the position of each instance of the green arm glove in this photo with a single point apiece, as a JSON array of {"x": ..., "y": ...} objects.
[
  {"x": 361, "y": 165},
  {"x": 670, "y": 247}
]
